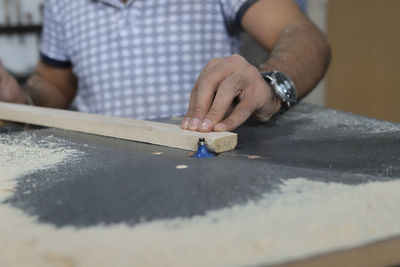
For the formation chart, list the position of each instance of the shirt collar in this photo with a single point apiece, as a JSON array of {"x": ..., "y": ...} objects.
[{"x": 115, "y": 3}]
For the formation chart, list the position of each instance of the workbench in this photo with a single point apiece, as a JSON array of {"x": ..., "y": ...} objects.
[{"x": 119, "y": 191}]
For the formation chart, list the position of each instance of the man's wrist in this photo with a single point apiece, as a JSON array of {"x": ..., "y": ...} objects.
[{"x": 282, "y": 88}]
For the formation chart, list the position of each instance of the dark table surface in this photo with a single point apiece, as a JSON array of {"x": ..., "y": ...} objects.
[{"x": 123, "y": 181}]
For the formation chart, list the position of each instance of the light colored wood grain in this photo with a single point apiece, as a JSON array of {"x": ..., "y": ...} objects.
[{"x": 137, "y": 130}]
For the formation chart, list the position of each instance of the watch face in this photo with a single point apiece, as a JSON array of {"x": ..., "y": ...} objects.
[{"x": 285, "y": 87}]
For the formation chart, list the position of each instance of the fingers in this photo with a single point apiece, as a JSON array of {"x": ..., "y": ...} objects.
[
  {"x": 203, "y": 93},
  {"x": 6, "y": 94},
  {"x": 239, "y": 115},
  {"x": 1, "y": 70},
  {"x": 186, "y": 119},
  {"x": 254, "y": 98},
  {"x": 226, "y": 93},
  {"x": 3, "y": 76},
  {"x": 222, "y": 82},
  {"x": 2, "y": 80},
  {"x": 10, "y": 91},
  {"x": 206, "y": 69}
]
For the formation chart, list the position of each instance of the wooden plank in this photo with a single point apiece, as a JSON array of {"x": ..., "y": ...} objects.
[{"x": 137, "y": 130}]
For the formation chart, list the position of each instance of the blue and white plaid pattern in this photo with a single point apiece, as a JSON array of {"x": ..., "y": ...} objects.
[{"x": 138, "y": 59}]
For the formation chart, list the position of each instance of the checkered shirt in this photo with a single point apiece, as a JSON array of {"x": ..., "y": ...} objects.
[{"x": 138, "y": 59}]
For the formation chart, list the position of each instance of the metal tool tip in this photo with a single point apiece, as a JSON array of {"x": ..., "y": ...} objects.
[
  {"x": 202, "y": 151},
  {"x": 202, "y": 141}
]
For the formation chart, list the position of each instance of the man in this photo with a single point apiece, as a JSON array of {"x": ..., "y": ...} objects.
[{"x": 140, "y": 59}]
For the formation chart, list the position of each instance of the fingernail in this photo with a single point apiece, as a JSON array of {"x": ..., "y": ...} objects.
[
  {"x": 220, "y": 127},
  {"x": 185, "y": 123},
  {"x": 194, "y": 124},
  {"x": 205, "y": 124}
]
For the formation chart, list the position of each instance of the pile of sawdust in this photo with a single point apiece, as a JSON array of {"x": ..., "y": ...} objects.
[
  {"x": 22, "y": 154},
  {"x": 300, "y": 219}
]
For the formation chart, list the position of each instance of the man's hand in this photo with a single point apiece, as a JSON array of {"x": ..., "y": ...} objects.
[
  {"x": 10, "y": 91},
  {"x": 227, "y": 92},
  {"x": 48, "y": 87},
  {"x": 297, "y": 48}
]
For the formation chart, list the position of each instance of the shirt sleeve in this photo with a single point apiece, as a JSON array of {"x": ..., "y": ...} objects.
[
  {"x": 234, "y": 10},
  {"x": 52, "y": 49}
]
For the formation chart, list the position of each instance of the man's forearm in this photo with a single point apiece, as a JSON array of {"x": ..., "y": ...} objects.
[
  {"x": 303, "y": 54},
  {"x": 51, "y": 87},
  {"x": 42, "y": 93}
]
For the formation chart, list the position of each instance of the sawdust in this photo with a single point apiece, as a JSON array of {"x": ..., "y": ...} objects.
[
  {"x": 253, "y": 157},
  {"x": 23, "y": 153},
  {"x": 300, "y": 219},
  {"x": 181, "y": 167},
  {"x": 329, "y": 118}
]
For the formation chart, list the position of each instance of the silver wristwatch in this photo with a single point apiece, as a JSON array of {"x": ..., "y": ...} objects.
[{"x": 283, "y": 87}]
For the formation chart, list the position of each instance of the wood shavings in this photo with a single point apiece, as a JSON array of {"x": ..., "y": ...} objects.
[
  {"x": 8, "y": 190},
  {"x": 253, "y": 157},
  {"x": 181, "y": 167},
  {"x": 299, "y": 220},
  {"x": 21, "y": 154}
]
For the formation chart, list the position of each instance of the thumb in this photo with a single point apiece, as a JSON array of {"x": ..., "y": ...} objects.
[
  {"x": 2, "y": 75},
  {"x": 1, "y": 72},
  {"x": 1, "y": 69}
]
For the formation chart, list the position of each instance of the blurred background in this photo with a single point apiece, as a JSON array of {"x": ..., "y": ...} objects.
[{"x": 364, "y": 76}]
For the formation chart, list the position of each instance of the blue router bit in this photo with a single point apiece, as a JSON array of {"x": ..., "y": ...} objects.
[{"x": 202, "y": 151}]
